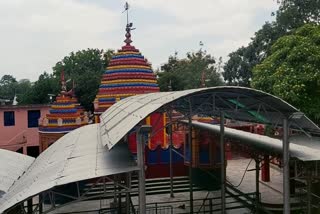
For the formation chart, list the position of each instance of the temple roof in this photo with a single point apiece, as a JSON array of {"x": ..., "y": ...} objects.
[
  {"x": 65, "y": 113},
  {"x": 127, "y": 74}
]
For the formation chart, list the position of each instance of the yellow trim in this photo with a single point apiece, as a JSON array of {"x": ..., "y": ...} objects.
[
  {"x": 127, "y": 52},
  {"x": 62, "y": 107},
  {"x": 104, "y": 106},
  {"x": 127, "y": 67},
  {"x": 114, "y": 95},
  {"x": 148, "y": 122},
  {"x": 129, "y": 80},
  {"x": 56, "y": 118},
  {"x": 96, "y": 119},
  {"x": 63, "y": 124}
]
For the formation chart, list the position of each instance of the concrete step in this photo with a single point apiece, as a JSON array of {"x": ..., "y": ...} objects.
[{"x": 153, "y": 186}]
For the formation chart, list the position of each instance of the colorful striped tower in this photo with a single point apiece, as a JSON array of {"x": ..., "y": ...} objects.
[
  {"x": 65, "y": 115},
  {"x": 128, "y": 73}
]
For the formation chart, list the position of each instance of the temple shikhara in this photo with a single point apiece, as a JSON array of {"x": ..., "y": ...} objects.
[
  {"x": 65, "y": 115},
  {"x": 128, "y": 74}
]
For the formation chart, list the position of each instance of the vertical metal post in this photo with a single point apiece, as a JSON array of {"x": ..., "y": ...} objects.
[
  {"x": 119, "y": 195},
  {"x": 190, "y": 152},
  {"x": 223, "y": 165},
  {"x": 309, "y": 192},
  {"x": 115, "y": 190},
  {"x": 40, "y": 203},
  {"x": 257, "y": 185},
  {"x": 29, "y": 206},
  {"x": 128, "y": 183},
  {"x": 141, "y": 139},
  {"x": 210, "y": 206},
  {"x": 286, "y": 172},
  {"x": 170, "y": 154}
]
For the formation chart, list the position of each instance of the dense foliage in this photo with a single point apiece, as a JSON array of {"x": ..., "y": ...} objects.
[
  {"x": 290, "y": 15},
  {"x": 292, "y": 70},
  {"x": 191, "y": 72},
  {"x": 85, "y": 69}
]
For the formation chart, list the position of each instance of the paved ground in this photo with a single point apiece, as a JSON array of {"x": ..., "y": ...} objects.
[{"x": 271, "y": 192}]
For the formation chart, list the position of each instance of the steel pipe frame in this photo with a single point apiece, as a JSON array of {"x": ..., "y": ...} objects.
[
  {"x": 82, "y": 197},
  {"x": 223, "y": 165},
  {"x": 141, "y": 132},
  {"x": 257, "y": 184},
  {"x": 190, "y": 152},
  {"x": 286, "y": 170},
  {"x": 170, "y": 153}
]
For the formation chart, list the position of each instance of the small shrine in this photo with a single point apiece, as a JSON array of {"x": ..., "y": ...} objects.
[{"x": 65, "y": 115}]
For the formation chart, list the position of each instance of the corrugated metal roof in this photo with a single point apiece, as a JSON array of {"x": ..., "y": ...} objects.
[
  {"x": 301, "y": 147},
  {"x": 12, "y": 166},
  {"x": 76, "y": 156},
  {"x": 239, "y": 103}
]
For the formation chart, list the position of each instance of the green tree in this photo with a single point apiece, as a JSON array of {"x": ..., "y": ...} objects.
[
  {"x": 39, "y": 92},
  {"x": 85, "y": 68},
  {"x": 23, "y": 87},
  {"x": 189, "y": 72},
  {"x": 290, "y": 15},
  {"x": 8, "y": 86},
  {"x": 292, "y": 70}
]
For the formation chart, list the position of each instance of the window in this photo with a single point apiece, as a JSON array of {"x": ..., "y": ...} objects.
[
  {"x": 33, "y": 118},
  {"x": 8, "y": 118}
]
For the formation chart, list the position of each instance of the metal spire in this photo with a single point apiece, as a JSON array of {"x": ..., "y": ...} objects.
[
  {"x": 129, "y": 25},
  {"x": 126, "y": 8}
]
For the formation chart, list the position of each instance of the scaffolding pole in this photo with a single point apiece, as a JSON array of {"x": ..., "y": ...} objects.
[
  {"x": 257, "y": 185},
  {"x": 190, "y": 155},
  {"x": 170, "y": 153},
  {"x": 223, "y": 165},
  {"x": 142, "y": 134},
  {"x": 286, "y": 171}
]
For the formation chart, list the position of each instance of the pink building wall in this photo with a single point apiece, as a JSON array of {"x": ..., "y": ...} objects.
[{"x": 19, "y": 135}]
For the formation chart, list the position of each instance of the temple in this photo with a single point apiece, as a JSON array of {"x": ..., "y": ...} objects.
[
  {"x": 65, "y": 115},
  {"x": 128, "y": 73}
]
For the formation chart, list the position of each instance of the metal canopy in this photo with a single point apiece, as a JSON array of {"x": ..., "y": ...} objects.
[
  {"x": 301, "y": 147},
  {"x": 238, "y": 103},
  {"x": 12, "y": 166},
  {"x": 76, "y": 156}
]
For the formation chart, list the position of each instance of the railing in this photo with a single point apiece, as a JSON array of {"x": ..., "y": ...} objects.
[
  {"x": 149, "y": 210},
  {"x": 207, "y": 205},
  {"x": 17, "y": 141}
]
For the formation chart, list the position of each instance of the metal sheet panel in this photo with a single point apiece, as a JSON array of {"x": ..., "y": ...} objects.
[
  {"x": 76, "y": 156},
  {"x": 302, "y": 148},
  {"x": 12, "y": 166},
  {"x": 239, "y": 103}
]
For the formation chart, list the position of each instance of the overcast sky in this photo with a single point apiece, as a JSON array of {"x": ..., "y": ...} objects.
[{"x": 35, "y": 34}]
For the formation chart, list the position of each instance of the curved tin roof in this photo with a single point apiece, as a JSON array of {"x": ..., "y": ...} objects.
[
  {"x": 12, "y": 166},
  {"x": 78, "y": 155},
  {"x": 239, "y": 103}
]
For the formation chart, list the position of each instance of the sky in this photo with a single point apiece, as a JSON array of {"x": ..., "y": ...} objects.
[{"x": 35, "y": 34}]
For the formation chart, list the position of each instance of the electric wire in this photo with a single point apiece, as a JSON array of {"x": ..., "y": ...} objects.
[{"x": 245, "y": 171}]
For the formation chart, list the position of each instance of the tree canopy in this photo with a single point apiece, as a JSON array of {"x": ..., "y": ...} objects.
[
  {"x": 292, "y": 70},
  {"x": 290, "y": 15},
  {"x": 8, "y": 86},
  {"x": 85, "y": 68},
  {"x": 190, "y": 72},
  {"x": 39, "y": 92}
]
